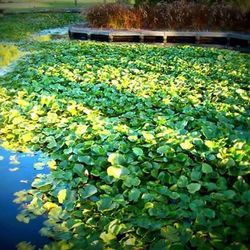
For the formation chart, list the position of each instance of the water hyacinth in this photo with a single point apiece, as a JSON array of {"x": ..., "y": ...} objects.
[{"x": 149, "y": 146}]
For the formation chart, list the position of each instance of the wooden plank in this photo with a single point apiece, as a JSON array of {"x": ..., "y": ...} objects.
[
  {"x": 240, "y": 36},
  {"x": 179, "y": 33},
  {"x": 124, "y": 33},
  {"x": 212, "y": 34},
  {"x": 152, "y": 33},
  {"x": 162, "y": 36}
]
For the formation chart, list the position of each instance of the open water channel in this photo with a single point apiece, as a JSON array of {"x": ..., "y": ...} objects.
[{"x": 17, "y": 173}]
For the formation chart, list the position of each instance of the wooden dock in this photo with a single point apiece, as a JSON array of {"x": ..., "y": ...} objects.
[{"x": 233, "y": 39}]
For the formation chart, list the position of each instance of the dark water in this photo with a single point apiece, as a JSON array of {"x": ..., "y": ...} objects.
[{"x": 14, "y": 177}]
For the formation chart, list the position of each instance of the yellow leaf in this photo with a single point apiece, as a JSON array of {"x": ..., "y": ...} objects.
[
  {"x": 114, "y": 171},
  {"x": 52, "y": 164},
  {"x": 107, "y": 237},
  {"x": 72, "y": 109},
  {"x": 49, "y": 205},
  {"x": 81, "y": 129},
  {"x": 55, "y": 212},
  {"x": 27, "y": 137},
  {"x": 23, "y": 218},
  {"x": 62, "y": 195},
  {"x": 186, "y": 145},
  {"x": 25, "y": 246},
  {"x": 52, "y": 117}
]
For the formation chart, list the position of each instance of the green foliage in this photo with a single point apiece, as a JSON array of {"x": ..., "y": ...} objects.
[
  {"x": 8, "y": 53},
  {"x": 149, "y": 146},
  {"x": 16, "y": 27}
]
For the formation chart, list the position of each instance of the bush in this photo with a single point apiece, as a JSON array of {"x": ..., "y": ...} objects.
[
  {"x": 116, "y": 16},
  {"x": 177, "y": 15}
]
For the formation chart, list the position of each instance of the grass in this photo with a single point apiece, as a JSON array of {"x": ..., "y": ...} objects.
[{"x": 47, "y": 4}]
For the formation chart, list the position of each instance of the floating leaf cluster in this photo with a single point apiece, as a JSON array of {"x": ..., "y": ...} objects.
[
  {"x": 149, "y": 146},
  {"x": 8, "y": 53},
  {"x": 21, "y": 26}
]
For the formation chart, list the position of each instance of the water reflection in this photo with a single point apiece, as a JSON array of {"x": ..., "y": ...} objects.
[{"x": 16, "y": 173}]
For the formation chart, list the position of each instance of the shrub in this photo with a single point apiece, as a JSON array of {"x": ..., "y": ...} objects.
[
  {"x": 116, "y": 16},
  {"x": 195, "y": 16},
  {"x": 177, "y": 15}
]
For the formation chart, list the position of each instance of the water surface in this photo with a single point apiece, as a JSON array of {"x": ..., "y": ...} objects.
[{"x": 17, "y": 173}]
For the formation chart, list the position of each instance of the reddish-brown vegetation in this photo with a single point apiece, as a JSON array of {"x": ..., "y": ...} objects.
[{"x": 177, "y": 15}]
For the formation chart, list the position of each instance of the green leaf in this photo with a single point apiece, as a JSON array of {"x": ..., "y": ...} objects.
[
  {"x": 170, "y": 233},
  {"x": 51, "y": 142},
  {"x": 85, "y": 159},
  {"x": 138, "y": 151},
  {"x": 88, "y": 191},
  {"x": 42, "y": 184},
  {"x": 207, "y": 169},
  {"x": 134, "y": 194},
  {"x": 174, "y": 168},
  {"x": 159, "y": 245},
  {"x": 209, "y": 213},
  {"x": 193, "y": 187},
  {"x": 162, "y": 150},
  {"x": 130, "y": 181},
  {"x": 79, "y": 169},
  {"x": 246, "y": 196},
  {"x": 116, "y": 159},
  {"x": 182, "y": 181},
  {"x": 195, "y": 175},
  {"x": 106, "y": 204},
  {"x": 173, "y": 195}
]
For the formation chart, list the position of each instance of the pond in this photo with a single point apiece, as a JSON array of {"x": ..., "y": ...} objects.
[{"x": 17, "y": 173}]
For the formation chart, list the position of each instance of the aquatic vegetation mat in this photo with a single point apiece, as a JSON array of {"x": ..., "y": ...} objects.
[
  {"x": 149, "y": 146},
  {"x": 8, "y": 53},
  {"x": 21, "y": 26}
]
